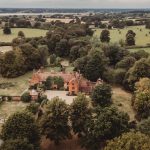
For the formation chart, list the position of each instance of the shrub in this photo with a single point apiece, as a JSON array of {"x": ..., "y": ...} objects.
[
  {"x": 7, "y": 30},
  {"x": 26, "y": 97}
]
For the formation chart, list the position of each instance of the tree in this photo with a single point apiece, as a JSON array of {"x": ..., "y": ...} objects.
[
  {"x": 128, "y": 141},
  {"x": 52, "y": 59},
  {"x": 62, "y": 48},
  {"x": 54, "y": 123},
  {"x": 92, "y": 66},
  {"x": 105, "y": 36},
  {"x": 17, "y": 144},
  {"x": 130, "y": 38},
  {"x": 147, "y": 24},
  {"x": 21, "y": 125},
  {"x": 48, "y": 83},
  {"x": 101, "y": 94},
  {"x": 141, "y": 101},
  {"x": 80, "y": 113},
  {"x": 13, "y": 64},
  {"x": 126, "y": 63},
  {"x": 33, "y": 108},
  {"x": 43, "y": 51},
  {"x": 26, "y": 97},
  {"x": 118, "y": 75},
  {"x": 6, "y": 30},
  {"x": 139, "y": 70},
  {"x": 59, "y": 81},
  {"x": 115, "y": 53},
  {"x": 144, "y": 126},
  {"x": 139, "y": 54},
  {"x": 21, "y": 34},
  {"x": 74, "y": 52},
  {"x": 31, "y": 56},
  {"x": 106, "y": 124}
]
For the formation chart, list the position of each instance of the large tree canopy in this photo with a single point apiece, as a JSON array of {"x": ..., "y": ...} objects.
[
  {"x": 129, "y": 141},
  {"x": 54, "y": 124},
  {"x": 106, "y": 123},
  {"x": 21, "y": 125}
]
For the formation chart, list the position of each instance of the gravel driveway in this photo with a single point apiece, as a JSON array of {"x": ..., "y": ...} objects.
[{"x": 61, "y": 94}]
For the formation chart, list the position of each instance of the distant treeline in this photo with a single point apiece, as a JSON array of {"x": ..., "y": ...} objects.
[{"x": 70, "y": 10}]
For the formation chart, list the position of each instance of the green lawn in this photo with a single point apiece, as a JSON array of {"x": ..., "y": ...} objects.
[
  {"x": 141, "y": 38},
  {"x": 28, "y": 33},
  {"x": 137, "y": 49},
  {"x": 9, "y": 108},
  {"x": 21, "y": 83}
]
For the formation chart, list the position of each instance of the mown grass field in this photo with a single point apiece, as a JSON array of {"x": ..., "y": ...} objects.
[
  {"x": 28, "y": 33},
  {"x": 137, "y": 49},
  {"x": 141, "y": 38}
]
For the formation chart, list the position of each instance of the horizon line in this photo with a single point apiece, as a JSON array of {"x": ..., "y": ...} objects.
[{"x": 69, "y": 8}]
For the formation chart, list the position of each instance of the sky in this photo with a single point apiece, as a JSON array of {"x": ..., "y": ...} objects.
[{"x": 75, "y": 3}]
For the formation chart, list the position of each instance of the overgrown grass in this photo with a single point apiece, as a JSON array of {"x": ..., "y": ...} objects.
[{"x": 122, "y": 100}]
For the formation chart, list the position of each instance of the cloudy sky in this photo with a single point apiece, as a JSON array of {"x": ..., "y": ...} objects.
[{"x": 76, "y": 3}]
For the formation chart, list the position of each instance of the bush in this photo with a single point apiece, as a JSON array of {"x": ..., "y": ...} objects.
[
  {"x": 119, "y": 75},
  {"x": 26, "y": 97}
]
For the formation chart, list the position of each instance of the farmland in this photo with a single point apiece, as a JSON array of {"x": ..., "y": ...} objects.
[
  {"x": 142, "y": 34},
  {"x": 28, "y": 33}
]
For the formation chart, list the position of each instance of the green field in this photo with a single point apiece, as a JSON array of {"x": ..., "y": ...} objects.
[
  {"x": 137, "y": 49},
  {"x": 28, "y": 33},
  {"x": 141, "y": 38}
]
